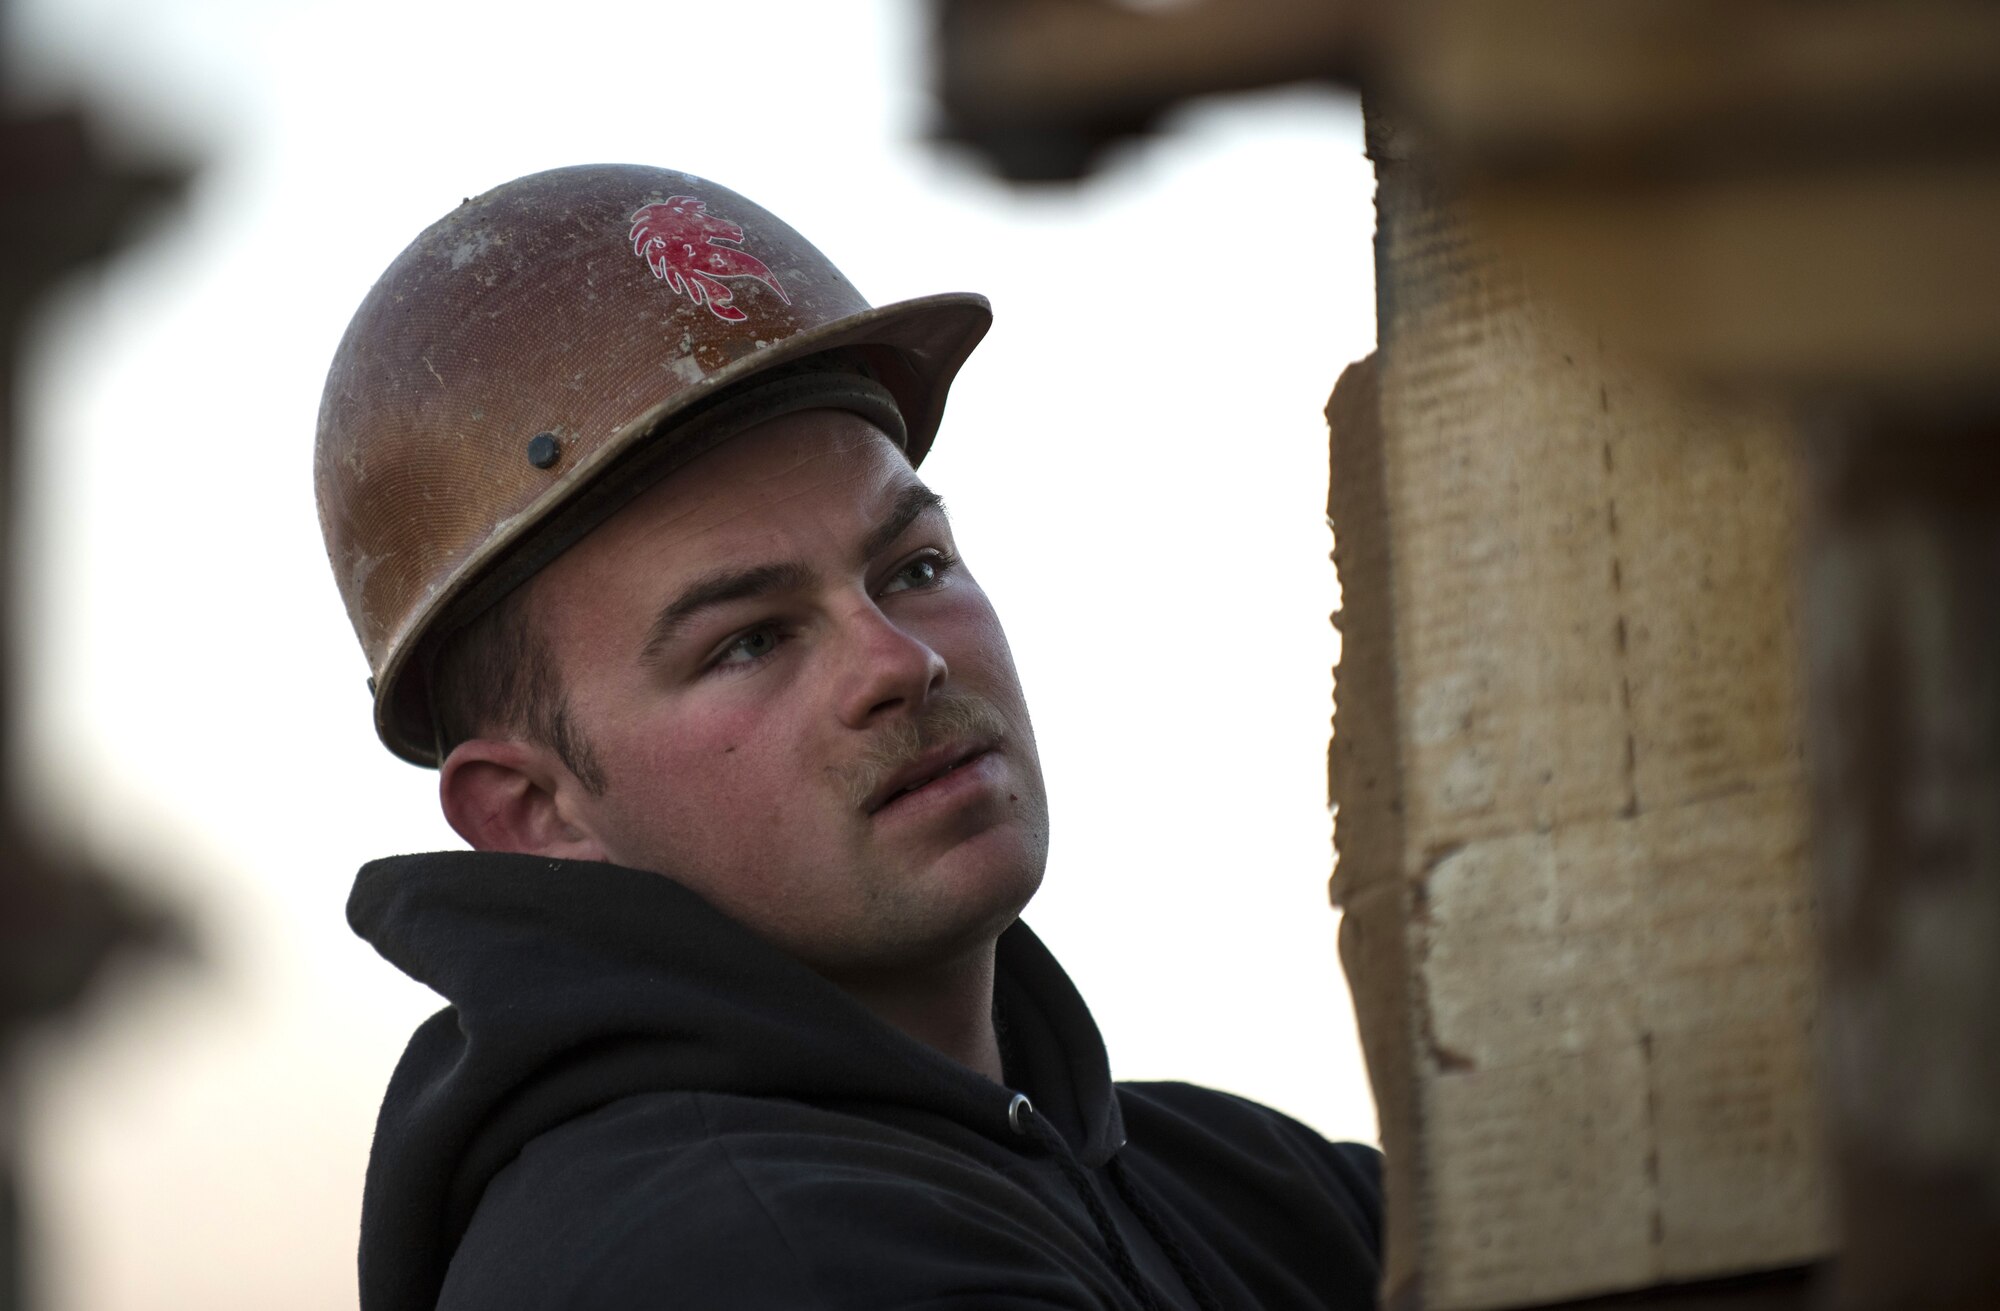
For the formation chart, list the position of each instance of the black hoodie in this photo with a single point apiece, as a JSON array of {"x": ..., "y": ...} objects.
[{"x": 632, "y": 1101}]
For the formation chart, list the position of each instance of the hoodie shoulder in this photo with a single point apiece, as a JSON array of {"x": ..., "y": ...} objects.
[
  {"x": 1303, "y": 1207},
  {"x": 703, "y": 1200}
]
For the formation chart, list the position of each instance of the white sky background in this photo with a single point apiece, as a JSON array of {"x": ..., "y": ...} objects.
[{"x": 1135, "y": 460}]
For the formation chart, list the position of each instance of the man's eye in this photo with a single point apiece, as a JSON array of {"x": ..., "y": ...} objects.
[
  {"x": 924, "y": 571},
  {"x": 748, "y": 648}
]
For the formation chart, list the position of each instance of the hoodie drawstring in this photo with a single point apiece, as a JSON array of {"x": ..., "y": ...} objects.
[
  {"x": 1023, "y": 1119},
  {"x": 1128, "y": 1188}
]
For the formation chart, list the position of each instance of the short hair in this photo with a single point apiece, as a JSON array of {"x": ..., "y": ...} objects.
[{"x": 497, "y": 674}]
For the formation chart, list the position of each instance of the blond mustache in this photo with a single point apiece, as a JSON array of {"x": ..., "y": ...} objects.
[{"x": 948, "y": 719}]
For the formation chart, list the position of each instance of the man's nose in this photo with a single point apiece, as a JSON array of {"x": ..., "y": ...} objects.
[{"x": 887, "y": 670}]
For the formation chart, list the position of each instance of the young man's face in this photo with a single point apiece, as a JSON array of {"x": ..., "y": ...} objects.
[{"x": 762, "y": 651}]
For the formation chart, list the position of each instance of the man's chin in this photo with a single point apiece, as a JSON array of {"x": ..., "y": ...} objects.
[
  {"x": 1005, "y": 861},
  {"x": 959, "y": 902}
]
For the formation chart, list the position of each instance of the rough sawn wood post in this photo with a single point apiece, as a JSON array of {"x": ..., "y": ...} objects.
[{"x": 1571, "y": 800}]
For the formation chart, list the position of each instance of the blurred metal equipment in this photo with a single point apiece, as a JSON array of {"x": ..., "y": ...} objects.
[
  {"x": 1800, "y": 202},
  {"x": 63, "y": 206}
]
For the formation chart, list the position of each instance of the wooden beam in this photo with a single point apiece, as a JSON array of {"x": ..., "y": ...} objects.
[
  {"x": 1578, "y": 921},
  {"x": 1042, "y": 87}
]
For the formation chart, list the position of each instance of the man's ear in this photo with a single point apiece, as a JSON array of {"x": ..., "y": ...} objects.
[{"x": 503, "y": 795}]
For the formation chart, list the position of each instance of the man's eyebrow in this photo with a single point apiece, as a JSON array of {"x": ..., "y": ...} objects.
[
  {"x": 911, "y": 504},
  {"x": 720, "y": 588},
  {"x": 727, "y": 585}
]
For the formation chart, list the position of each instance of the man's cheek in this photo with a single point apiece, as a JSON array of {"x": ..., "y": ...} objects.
[
  {"x": 767, "y": 794},
  {"x": 985, "y": 666}
]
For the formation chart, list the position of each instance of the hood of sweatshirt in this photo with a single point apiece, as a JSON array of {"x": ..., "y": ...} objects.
[{"x": 571, "y": 984}]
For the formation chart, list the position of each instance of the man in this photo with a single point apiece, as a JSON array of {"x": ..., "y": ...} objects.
[{"x": 618, "y": 478}]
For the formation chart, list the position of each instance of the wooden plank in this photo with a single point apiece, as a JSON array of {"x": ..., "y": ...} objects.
[
  {"x": 1704, "y": 83},
  {"x": 1760, "y": 191},
  {"x": 1591, "y": 956},
  {"x": 1054, "y": 61},
  {"x": 1042, "y": 88},
  {"x": 1364, "y": 781}
]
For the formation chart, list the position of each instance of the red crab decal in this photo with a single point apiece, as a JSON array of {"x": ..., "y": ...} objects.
[{"x": 681, "y": 240}]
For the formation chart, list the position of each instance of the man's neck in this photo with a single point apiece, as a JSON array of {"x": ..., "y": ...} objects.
[{"x": 947, "y": 1007}]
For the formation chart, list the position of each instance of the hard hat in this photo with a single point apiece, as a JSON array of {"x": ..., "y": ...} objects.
[{"x": 545, "y": 351}]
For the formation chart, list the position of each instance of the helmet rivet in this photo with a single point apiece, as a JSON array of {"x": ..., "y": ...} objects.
[{"x": 543, "y": 450}]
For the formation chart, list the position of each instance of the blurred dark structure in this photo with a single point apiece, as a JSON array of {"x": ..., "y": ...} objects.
[
  {"x": 1798, "y": 201},
  {"x": 64, "y": 205},
  {"x": 1042, "y": 88}
]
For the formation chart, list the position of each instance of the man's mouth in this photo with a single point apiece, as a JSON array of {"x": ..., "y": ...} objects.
[{"x": 925, "y": 770}]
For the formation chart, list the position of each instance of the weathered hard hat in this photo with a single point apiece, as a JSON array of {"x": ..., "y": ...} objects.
[{"x": 542, "y": 353}]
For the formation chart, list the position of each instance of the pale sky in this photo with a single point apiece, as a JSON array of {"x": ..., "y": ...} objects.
[{"x": 1135, "y": 460}]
